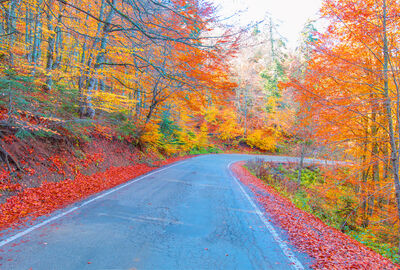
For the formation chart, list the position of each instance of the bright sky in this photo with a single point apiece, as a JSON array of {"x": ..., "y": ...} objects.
[{"x": 291, "y": 15}]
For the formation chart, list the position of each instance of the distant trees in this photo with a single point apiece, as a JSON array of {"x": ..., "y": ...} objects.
[{"x": 264, "y": 110}]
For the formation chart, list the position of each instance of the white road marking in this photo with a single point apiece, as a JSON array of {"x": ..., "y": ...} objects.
[
  {"x": 285, "y": 248},
  {"x": 20, "y": 234}
]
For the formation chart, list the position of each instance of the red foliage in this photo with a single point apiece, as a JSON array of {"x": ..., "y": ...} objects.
[
  {"x": 50, "y": 196},
  {"x": 330, "y": 248}
]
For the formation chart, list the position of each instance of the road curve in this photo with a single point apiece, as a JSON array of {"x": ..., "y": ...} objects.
[{"x": 190, "y": 215}]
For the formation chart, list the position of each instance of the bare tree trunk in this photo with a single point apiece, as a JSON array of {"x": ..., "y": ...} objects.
[
  {"x": 3, "y": 24},
  {"x": 36, "y": 40},
  {"x": 50, "y": 52},
  {"x": 52, "y": 48},
  {"x": 81, "y": 81},
  {"x": 365, "y": 175},
  {"x": 28, "y": 33},
  {"x": 11, "y": 28},
  {"x": 245, "y": 113},
  {"x": 371, "y": 198},
  {"x": 139, "y": 96},
  {"x": 388, "y": 104},
  {"x": 88, "y": 109},
  {"x": 154, "y": 102},
  {"x": 302, "y": 154}
]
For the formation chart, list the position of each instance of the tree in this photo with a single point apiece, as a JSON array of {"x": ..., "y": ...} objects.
[
  {"x": 262, "y": 106},
  {"x": 132, "y": 58},
  {"x": 351, "y": 91}
]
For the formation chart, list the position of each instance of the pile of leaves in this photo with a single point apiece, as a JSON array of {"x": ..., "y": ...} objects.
[
  {"x": 330, "y": 248},
  {"x": 32, "y": 203}
]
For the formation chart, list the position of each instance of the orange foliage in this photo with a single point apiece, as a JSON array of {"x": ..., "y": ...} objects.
[{"x": 349, "y": 101}]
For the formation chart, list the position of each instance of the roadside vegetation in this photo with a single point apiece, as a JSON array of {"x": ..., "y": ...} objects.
[
  {"x": 328, "y": 247},
  {"x": 327, "y": 193}
]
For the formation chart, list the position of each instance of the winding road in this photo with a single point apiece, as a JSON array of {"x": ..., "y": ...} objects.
[{"x": 193, "y": 214}]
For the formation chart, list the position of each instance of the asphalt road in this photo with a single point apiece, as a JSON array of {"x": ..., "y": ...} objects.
[{"x": 190, "y": 215}]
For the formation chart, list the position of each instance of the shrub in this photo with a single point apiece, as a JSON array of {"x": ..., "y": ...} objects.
[{"x": 261, "y": 140}]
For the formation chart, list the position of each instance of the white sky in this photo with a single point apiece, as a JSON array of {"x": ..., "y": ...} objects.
[{"x": 291, "y": 15}]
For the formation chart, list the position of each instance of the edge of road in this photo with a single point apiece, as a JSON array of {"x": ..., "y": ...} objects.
[{"x": 296, "y": 264}]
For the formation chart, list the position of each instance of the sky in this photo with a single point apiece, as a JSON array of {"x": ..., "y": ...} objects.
[{"x": 291, "y": 15}]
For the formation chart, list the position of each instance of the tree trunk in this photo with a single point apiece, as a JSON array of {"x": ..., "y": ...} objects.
[
  {"x": 36, "y": 40},
  {"x": 88, "y": 109},
  {"x": 388, "y": 104},
  {"x": 52, "y": 48},
  {"x": 50, "y": 53},
  {"x": 11, "y": 28},
  {"x": 302, "y": 154}
]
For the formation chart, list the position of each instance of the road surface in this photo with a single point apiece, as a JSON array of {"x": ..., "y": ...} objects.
[{"x": 190, "y": 215}]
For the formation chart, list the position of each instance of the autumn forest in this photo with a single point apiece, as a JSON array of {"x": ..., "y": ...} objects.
[{"x": 117, "y": 87}]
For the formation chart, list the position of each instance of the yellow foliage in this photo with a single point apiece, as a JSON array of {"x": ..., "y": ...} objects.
[
  {"x": 190, "y": 139},
  {"x": 262, "y": 139},
  {"x": 111, "y": 102},
  {"x": 185, "y": 139},
  {"x": 229, "y": 128},
  {"x": 271, "y": 103},
  {"x": 170, "y": 149},
  {"x": 210, "y": 115},
  {"x": 152, "y": 135},
  {"x": 202, "y": 139}
]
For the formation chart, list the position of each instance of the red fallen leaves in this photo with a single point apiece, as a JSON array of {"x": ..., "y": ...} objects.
[
  {"x": 93, "y": 158},
  {"x": 331, "y": 248},
  {"x": 4, "y": 175},
  {"x": 50, "y": 196},
  {"x": 9, "y": 139},
  {"x": 57, "y": 165},
  {"x": 30, "y": 171},
  {"x": 5, "y": 184},
  {"x": 10, "y": 187}
]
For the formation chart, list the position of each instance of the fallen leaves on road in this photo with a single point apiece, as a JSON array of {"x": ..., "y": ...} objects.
[{"x": 330, "y": 248}]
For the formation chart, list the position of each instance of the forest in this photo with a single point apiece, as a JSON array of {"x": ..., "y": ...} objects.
[{"x": 88, "y": 87}]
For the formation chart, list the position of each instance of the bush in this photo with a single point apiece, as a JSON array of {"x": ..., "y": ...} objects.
[
  {"x": 208, "y": 150},
  {"x": 261, "y": 140}
]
